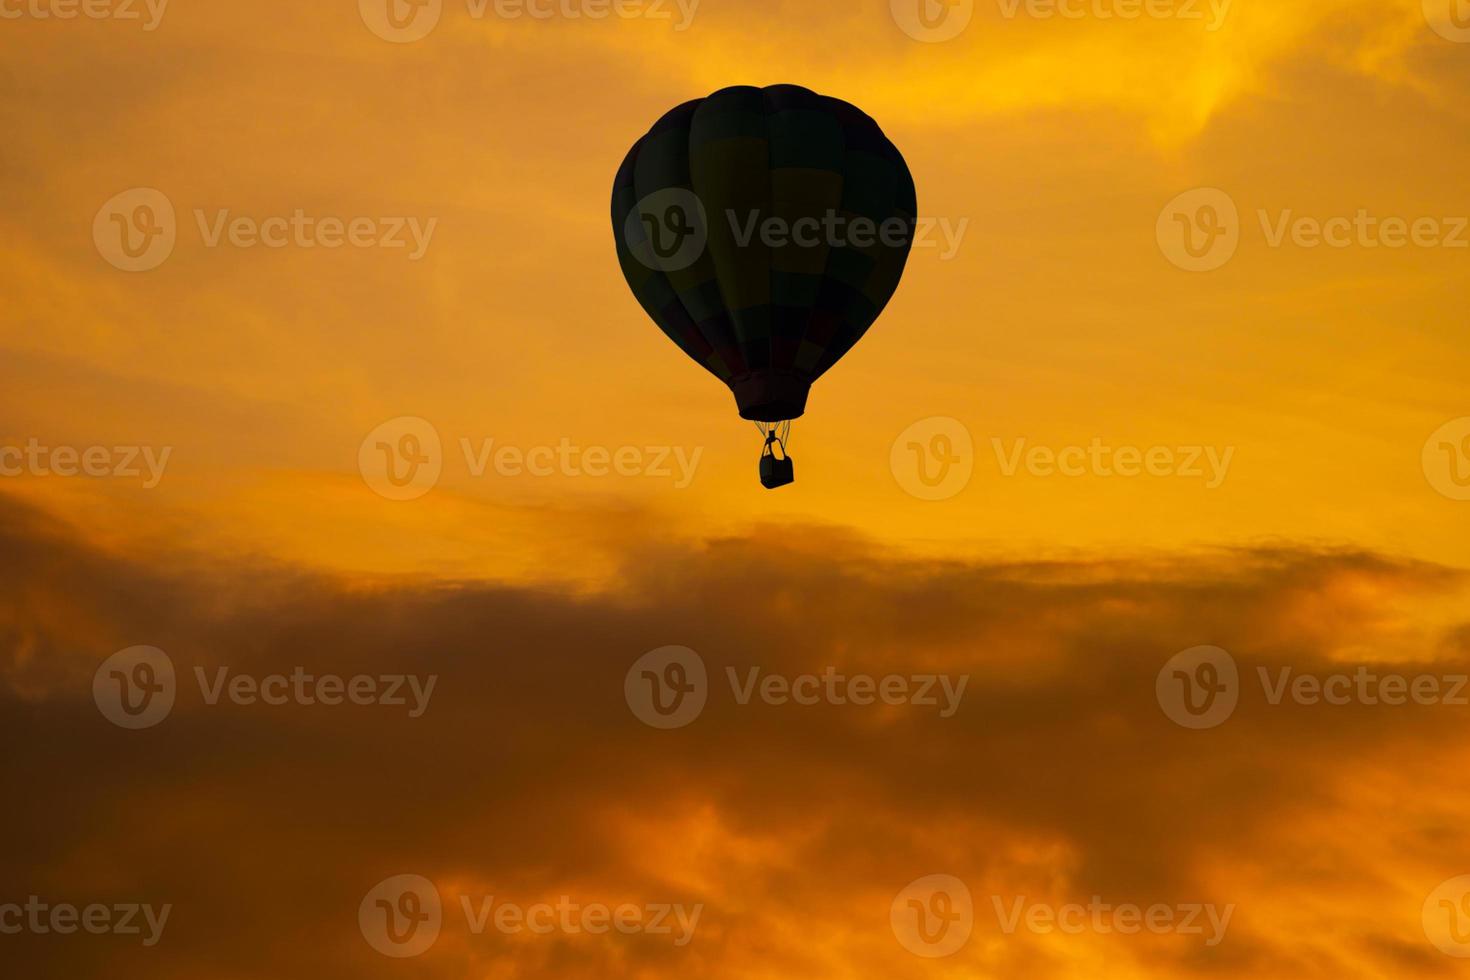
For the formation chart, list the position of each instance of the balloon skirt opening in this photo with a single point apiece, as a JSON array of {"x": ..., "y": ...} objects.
[{"x": 770, "y": 396}]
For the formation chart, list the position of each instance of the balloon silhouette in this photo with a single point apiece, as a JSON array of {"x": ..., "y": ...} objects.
[{"x": 764, "y": 230}]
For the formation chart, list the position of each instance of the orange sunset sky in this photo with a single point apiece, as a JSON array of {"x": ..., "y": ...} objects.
[{"x": 1319, "y": 378}]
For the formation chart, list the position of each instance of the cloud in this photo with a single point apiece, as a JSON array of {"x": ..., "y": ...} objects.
[{"x": 528, "y": 777}]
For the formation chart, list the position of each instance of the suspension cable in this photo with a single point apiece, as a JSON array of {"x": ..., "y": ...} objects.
[{"x": 780, "y": 431}]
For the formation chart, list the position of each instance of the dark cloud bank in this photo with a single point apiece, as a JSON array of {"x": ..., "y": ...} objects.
[{"x": 263, "y": 826}]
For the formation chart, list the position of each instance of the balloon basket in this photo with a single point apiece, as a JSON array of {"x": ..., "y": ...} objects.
[{"x": 776, "y": 472}]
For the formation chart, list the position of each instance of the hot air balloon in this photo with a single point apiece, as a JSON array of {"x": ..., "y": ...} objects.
[{"x": 764, "y": 230}]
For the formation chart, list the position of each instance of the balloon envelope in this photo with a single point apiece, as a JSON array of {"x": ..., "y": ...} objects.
[{"x": 764, "y": 230}]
